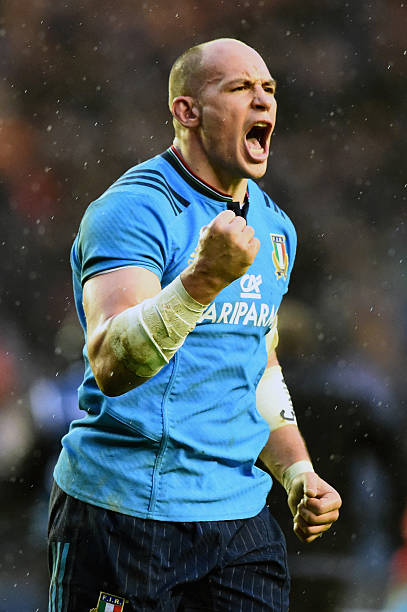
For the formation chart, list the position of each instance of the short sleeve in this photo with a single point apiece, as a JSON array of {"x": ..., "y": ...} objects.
[
  {"x": 292, "y": 247},
  {"x": 122, "y": 229}
]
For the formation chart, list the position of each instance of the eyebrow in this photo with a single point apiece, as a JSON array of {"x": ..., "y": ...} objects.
[{"x": 243, "y": 79}]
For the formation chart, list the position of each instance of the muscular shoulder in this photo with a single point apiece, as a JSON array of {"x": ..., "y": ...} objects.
[
  {"x": 129, "y": 224},
  {"x": 145, "y": 188}
]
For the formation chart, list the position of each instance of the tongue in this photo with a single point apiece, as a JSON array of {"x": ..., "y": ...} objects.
[{"x": 254, "y": 144}]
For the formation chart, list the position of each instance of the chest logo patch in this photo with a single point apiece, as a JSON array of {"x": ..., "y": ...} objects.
[{"x": 280, "y": 257}]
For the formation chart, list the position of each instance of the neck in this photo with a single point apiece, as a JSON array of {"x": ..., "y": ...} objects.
[{"x": 197, "y": 160}]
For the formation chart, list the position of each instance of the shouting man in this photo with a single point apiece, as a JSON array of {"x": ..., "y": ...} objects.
[{"x": 179, "y": 269}]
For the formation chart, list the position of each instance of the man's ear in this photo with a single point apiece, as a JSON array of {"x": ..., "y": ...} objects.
[{"x": 185, "y": 111}]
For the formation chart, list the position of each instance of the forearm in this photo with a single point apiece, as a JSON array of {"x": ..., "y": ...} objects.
[
  {"x": 313, "y": 503},
  {"x": 285, "y": 446},
  {"x": 129, "y": 348}
]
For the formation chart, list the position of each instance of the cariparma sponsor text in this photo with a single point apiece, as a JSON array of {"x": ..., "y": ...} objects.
[{"x": 243, "y": 313}]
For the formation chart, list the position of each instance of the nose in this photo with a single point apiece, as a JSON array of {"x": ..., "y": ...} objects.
[{"x": 262, "y": 99}]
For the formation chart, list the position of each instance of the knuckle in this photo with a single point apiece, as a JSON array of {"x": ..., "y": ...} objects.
[
  {"x": 224, "y": 218},
  {"x": 255, "y": 243},
  {"x": 238, "y": 225},
  {"x": 225, "y": 214},
  {"x": 316, "y": 508}
]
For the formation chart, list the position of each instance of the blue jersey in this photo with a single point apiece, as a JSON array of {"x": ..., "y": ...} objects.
[{"x": 183, "y": 445}]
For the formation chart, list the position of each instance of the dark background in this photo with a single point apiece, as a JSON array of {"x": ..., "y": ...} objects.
[{"x": 82, "y": 98}]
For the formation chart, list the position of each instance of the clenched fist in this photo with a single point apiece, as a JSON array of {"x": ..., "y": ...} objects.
[
  {"x": 314, "y": 505},
  {"x": 226, "y": 249}
]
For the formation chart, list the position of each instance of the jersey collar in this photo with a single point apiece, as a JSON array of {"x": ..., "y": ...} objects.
[{"x": 174, "y": 158}]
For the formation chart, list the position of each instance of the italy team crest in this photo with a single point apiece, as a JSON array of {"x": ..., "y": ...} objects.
[
  {"x": 109, "y": 603},
  {"x": 280, "y": 257}
]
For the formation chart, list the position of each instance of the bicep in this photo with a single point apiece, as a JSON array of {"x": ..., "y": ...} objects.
[
  {"x": 104, "y": 297},
  {"x": 108, "y": 294}
]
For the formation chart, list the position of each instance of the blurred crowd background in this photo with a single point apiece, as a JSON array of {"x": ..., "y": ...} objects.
[{"x": 82, "y": 98}]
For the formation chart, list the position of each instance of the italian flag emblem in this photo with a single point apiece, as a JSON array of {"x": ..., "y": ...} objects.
[
  {"x": 110, "y": 603},
  {"x": 280, "y": 257}
]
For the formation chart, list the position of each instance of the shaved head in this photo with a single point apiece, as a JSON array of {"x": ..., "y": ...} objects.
[
  {"x": 185, "y": 75},
  {"x": 192, "y": 68}
]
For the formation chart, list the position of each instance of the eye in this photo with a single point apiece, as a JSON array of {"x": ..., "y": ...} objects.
[{"x": 239, "y": 88}]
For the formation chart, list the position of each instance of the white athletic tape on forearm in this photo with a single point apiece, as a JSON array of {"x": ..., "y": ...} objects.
[
  {"x": 273, "y": 399},
  {"x": 146, "y": 336},
  {"x": 300, "y": 467}
]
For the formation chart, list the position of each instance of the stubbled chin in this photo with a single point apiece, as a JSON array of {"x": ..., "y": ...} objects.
[
  {"x": 255, "y": 169},
  {"x": 259, "y": 170}
]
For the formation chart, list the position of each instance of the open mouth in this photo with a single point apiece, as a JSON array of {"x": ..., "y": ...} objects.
[{"x": 257, "y": 138}]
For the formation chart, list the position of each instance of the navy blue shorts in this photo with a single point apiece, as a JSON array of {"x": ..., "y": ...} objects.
[{"x": 99, "y": 559}]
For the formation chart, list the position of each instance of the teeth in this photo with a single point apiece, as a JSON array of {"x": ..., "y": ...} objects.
[{"x": 261, "y": 124}]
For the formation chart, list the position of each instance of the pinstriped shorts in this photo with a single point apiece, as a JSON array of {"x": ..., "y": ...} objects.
[{"x": 98, "y": 556}]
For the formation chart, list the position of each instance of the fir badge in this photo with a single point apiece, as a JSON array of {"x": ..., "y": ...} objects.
[
  {"x": 280, "y": 257},
  {"x": 109, "y": 603}
]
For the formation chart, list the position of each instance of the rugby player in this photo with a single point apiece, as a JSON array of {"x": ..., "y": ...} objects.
[{"x": 179, "y": 269}]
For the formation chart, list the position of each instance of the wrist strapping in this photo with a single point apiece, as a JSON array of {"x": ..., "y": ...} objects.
[
  {"x": 273, "y": 399},
  {"x": 146, "y": 336},
  {"x": 299, "y": 467}
]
